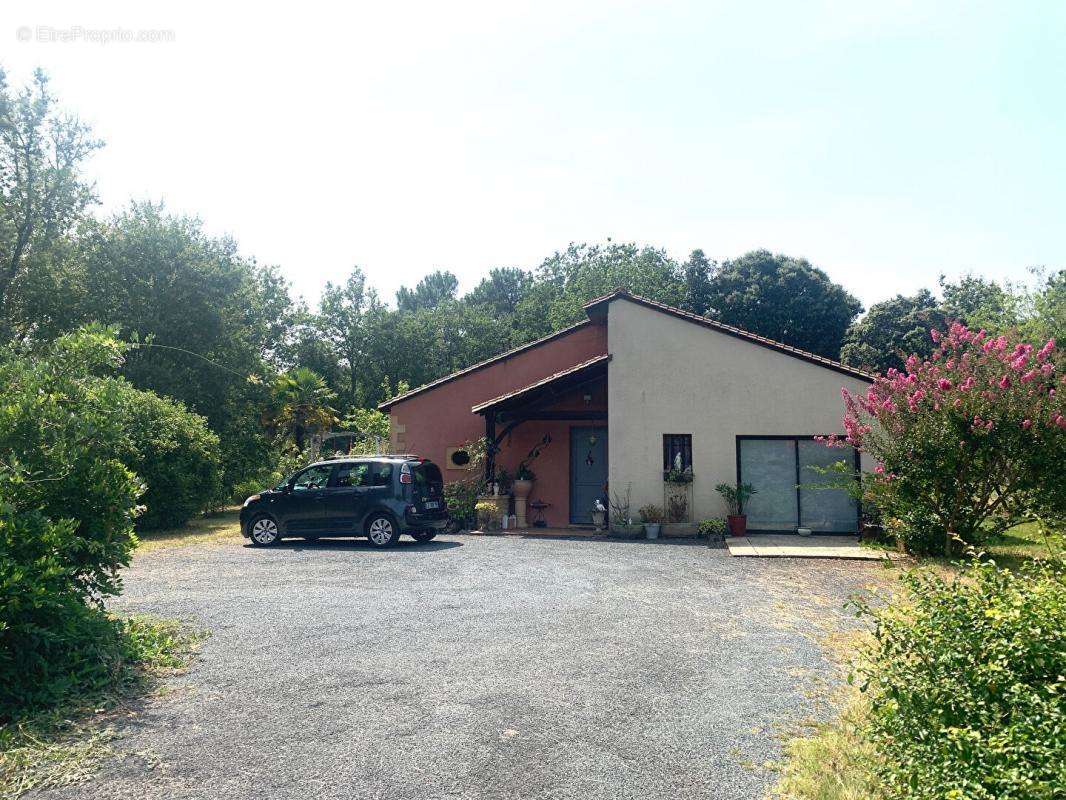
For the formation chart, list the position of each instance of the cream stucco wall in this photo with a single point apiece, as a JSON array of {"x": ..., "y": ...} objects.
[{"x": 669, "y": 375}]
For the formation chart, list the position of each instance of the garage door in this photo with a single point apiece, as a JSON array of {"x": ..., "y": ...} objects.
[{"x": 790, "y": 492}]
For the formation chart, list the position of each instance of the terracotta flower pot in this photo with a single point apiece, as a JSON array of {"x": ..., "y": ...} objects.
[
  {"x": 522, "y": 488},
  {"x": 738, "y": 525}
]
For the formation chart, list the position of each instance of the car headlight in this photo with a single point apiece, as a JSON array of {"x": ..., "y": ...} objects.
[{"x": 252, "y": 499}]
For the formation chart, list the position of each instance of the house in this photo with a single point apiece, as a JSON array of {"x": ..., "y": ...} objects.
[{"x": 633, "y": 390}]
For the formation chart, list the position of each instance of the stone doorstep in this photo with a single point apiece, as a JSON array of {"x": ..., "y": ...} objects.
[{"x": 774, "y": 546}]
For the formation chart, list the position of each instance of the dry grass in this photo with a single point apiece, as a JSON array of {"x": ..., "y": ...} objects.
[
  {"x": 218, "y": 528},
  {"x": 832, "y": 761}
]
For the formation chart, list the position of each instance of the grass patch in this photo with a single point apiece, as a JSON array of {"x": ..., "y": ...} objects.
[
  {"x": 61, "y": 746},
  {"x": 832, "y": 761},
  {"x": 220, "y": 527},
  {"x": 1022, "y": 544}
]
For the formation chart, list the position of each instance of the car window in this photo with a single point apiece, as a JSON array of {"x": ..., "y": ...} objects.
[
  {"x": 380, "y": 474},
  {"x": 312, "y": 478},
  {"x": 427, "y": 476},
  {"x": 350, "y": 475}
]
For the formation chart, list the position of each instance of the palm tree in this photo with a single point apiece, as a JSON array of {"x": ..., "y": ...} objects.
[{"x": 301, "y": 404}]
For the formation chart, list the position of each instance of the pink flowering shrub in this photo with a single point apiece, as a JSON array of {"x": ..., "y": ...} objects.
[{"x": 970, "y": 441}]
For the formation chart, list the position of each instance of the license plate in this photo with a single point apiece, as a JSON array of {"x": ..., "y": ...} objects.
[{"x": 432, "y": 504}]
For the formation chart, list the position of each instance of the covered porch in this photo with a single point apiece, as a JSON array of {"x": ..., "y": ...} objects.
[{"x": 556, "y": 428}]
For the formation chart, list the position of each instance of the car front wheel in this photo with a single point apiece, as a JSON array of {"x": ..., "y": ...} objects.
[
  {"x": 381, "y": 531},
  {"x": 423, "y": 536},
  {"x": 264, "y": 532}
]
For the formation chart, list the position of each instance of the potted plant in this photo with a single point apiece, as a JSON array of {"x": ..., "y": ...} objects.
[
  {"x": 736, "y": 497},
  {"x": 714, "y": 529},
  {"x": 488, "y": 516},
  {"x": 621, "y": 519},
  {"x": 678, "y": 475},
  {"x": 652, "y": 516},
  {"x": 523, "y": 481}
]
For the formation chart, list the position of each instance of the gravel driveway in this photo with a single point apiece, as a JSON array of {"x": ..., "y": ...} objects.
[{"x": 477, "y": 667}]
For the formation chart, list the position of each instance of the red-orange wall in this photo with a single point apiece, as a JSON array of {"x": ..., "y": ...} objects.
[{"x": 439, "y": 418}]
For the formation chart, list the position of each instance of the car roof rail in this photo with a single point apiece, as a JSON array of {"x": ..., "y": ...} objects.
[{"x": 383, "y": 455}]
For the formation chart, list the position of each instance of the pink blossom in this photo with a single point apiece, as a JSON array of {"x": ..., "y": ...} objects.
[
  {"x": 1027, "y": 424},
  {"x": 1004, "y": 382},
  {"x": 880, "y": 469},
  {"x": 943, "y": 384},
  {"x": 935, "y": 334},
  {"x": 1046, "y": 350},
  {"x": 1030, "y": 375}
]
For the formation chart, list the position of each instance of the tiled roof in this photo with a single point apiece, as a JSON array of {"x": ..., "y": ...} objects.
[
  {"x": 570, "y": 371},
  {"x": 729, "y": 330},
  {"x": 487, "y": 362}
]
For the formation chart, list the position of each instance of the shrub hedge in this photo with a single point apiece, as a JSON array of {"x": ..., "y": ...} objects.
[
  {"x": 967, "y": 686},
  {"x": 175, "y": 454}
]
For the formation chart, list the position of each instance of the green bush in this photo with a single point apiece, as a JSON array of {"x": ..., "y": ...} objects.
[
  {"x": 714, "y": 527},
  {"x": 461, "y": 497},
  {"x": 967, "y": 686},
  {"x": 174, "y": 453},
  {"x": 67, "y": 504}
]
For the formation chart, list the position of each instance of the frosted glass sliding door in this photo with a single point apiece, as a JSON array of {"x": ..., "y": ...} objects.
[
  {"x": 769, "y": 465},
  {"x": 821, "y": 508},
  {"x": 790, "y": 492}
]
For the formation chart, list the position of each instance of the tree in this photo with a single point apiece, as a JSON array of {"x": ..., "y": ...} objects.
[
  {"x": 302, "y": 405},
  {"x": 434, "y": 289},
  {"x": 205, "y": 320},
  {"x": 891, "y": 330},
  {"x": 1048, "y": 320},
  {"x": 697, "y": 273},
  {"x": 980, "y": 303},
  {"x": 568, "y": 280},
  {"x": 42, "y": 191},
  {"x": 783, "y": 298},
  {"x": 969, "y": 441},
  {"x": 342, "y": 321},
  {"x": 502, "y": 290}
]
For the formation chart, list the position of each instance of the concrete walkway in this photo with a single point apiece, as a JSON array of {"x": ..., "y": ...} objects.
[{"x": 769, "y": 545}]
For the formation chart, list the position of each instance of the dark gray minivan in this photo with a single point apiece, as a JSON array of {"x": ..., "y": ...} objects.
[{"x": 379, "y": 497}]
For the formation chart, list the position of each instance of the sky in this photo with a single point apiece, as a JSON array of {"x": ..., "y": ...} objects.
[{"x": 886, "y": 142}]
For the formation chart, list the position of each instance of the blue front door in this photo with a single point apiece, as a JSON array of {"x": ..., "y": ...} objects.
[{"x": 588, "y": 471}]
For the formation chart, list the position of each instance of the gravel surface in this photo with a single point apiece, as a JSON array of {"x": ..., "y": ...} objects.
[{"x": 477, "y": 667}]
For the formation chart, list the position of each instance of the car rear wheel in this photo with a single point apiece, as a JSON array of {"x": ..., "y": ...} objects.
[
  {"x": 381, "y": 531},
  {"x": 423, "y": 536},
  {"x": 264, "y": 531}
]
